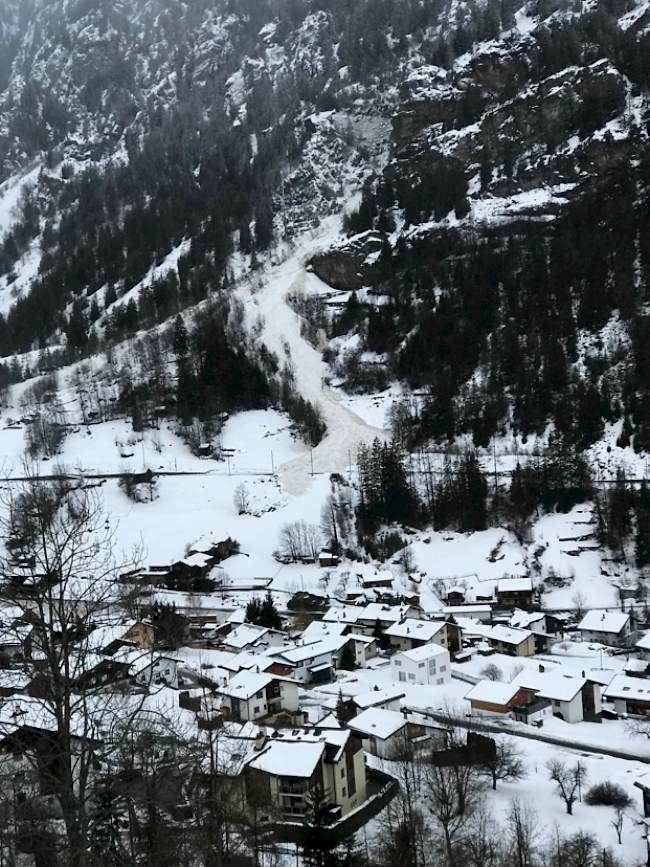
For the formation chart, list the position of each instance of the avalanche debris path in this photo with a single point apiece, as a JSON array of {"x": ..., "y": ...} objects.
[{"x": 281, "y": 334}]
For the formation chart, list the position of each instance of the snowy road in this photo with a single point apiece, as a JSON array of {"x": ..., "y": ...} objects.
[{"x": 345, "y": 429}]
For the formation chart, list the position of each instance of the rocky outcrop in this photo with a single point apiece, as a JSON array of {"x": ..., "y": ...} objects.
[{"x": 352, "y": 265}]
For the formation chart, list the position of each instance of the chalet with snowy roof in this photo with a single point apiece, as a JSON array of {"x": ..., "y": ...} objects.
[
  {"x": 574, "y": 698},
  {"x": 505, "y": 639},
  {"x": 643, "y": 644},
  {"x": 482, "y": 613},
  {"x": 326, "y": 559},
  {"x": 385, "y": 615},
  {"x": 347, "y": 614},
  {"x": 250, "y": 696},
  {"x": 386, "y": 699},
  {"x": 381, "y": 731},
  {"x": 516, "y": 592},
  {"x": 193, "y": 566},
  {"x": 493, "y": 698},
  {"x": 289, "y": 764},
  {"x": 411, "y": 633},
  {"x": 455, "y": 596},
  {"x": 248, "y": 636},
  {"x": 606, "y": 627},
  {"x": 429, "y": 664},
  {"x": 315, "y": 662},
  {"x": 629, "y": 695}
]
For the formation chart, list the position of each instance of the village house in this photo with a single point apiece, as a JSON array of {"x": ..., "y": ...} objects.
[
  {"x": 386, "y": 699},
  {"x": 482, "y": 613},
  {"x": 383, "y": 731},
  {"x": 248, "y": 636},
  {"x": 507, "y": 639},
  {"x": 573, "y": 698},
  {"x": 542, "y": 626},
  {"x": 606, "y": 627},
  {"x": 411, "y": 633},
  {"x": 493, "y": 698},
  {"x": 515, "y": 592},
  {"x": 288, "y": 765},
  {"x": 315, "y": 662},
  {"x": 629, "y": 695},
  {"x": 385, "y": 616},
  {"x": 250, "y": 696},
  {"x": 429, "y": 664}
]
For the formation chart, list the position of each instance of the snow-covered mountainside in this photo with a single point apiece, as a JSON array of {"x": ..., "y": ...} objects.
[{"x": 460, "y": 192}]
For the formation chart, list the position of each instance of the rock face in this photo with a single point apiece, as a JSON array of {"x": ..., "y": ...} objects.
[{"x": 352, "y": 265}]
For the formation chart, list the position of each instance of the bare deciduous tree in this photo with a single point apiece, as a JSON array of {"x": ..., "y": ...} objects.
[
  {"x": 569, "y": 780},
  {"x": 492, "y": 672},
  {"x": 241, "y": 499},
  {"x": 60, "y": 576},
  {"x": 507, "y": 763}
]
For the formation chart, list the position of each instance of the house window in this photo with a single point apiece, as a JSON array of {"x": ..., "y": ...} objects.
[
  {"x": 256, "y": 710},
  {"x": 342, "y": 772},
  {"x": 443, "y": 668},
  {"x": 397, "y": 663},
  {"x": 402, "y": 676},
  {"x": 421, "y": 665},
  {"x": 343, "y": 792},
  {"x": 411, "y": 676},
  {"x": 259, "y": 695},
  {"x": 432, "y": 666},
  {"x": 440, "y": 680}
]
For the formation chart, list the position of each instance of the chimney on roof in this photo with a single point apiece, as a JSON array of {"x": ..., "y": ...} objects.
[
  {"x": 260, "y": 738},
  {"x": 541, "y": 668}
]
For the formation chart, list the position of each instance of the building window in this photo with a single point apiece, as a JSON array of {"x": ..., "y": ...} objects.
[
  {"x": 256, "y": 710},
  {"x": 440, "y": 680},
  {"x": 402, "y": 676},
  {"x": 343, "y": 791},
  {"x": 432, "y": 666},
  {"x": 411, "y": 676},
  {"x": 342, "y": 772},
  {"x": 397, "y": 663},
  {"x": 421, "y": 665},
  {"x": 259, "y": 695},
  {"x": 443, "y": 668}
]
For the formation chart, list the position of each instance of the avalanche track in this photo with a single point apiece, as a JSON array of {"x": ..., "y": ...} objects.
[{"x": 265, "y": 296}]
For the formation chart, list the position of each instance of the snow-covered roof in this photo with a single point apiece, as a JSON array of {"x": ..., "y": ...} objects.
[
  {"x": 560, "y": 687},
  {"x": 197, "y": 559},
  {"x": 289, "y": 758},
  {"x": 505, "y": 634},
  {"x": 299, "y": 653},
  {"x": 346, "y": 614},
  {"x": 419, "y": 654},
  {"x": 330, "y": 721},
  {"x": 523, "y": 619},
  {"x": 377, "y": 696},
  {"x": 423, "y": 630},
  {"x": 644, "y": 642},
  {"x": 626, "y": 687},
  {"x": 514, "y": 585},
  {"x": 246, "y": 684},
  {"x": 493, "y": 692},
  {"x": 376, "y": 611},
  {"x": 317, "y": 630},
  {"x": 604, "y": 621},
  {"x": 245, "y": 634},
  {"x": 296, "y": 752},
  {"x": 378, "y": 722}
]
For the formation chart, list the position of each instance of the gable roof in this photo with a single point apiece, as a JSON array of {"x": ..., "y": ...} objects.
[
  {"x": 604, "y": 621},
  {"x": 378, "y": 722},
  {"x": 626, "y": 687},
  {"x": 423, "y": 630},
  {"x": 553, "y": 685},
  {"x": 493, "y": 692},
  {"x": 419, "y": 654}
]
